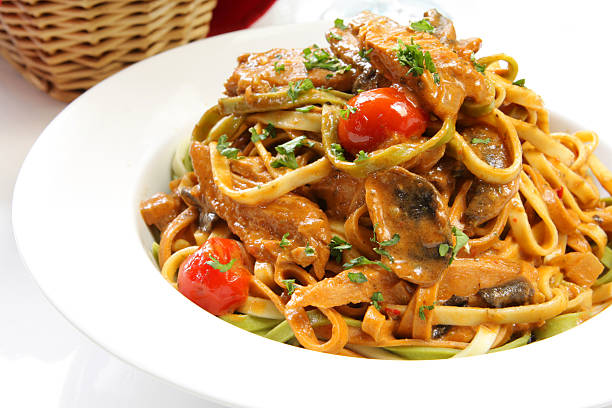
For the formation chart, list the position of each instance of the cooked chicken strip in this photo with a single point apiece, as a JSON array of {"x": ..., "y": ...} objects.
[
  {"x": 342, "y": 193},
  {"x": 348, "y": 48},
  {"x": 262, "y": 71},
  {"x": 261, "y": 227},
  {"x": 458, "y": 79}
]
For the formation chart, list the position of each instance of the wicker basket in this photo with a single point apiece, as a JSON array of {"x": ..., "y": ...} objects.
[{"x": 66, "y": 46}]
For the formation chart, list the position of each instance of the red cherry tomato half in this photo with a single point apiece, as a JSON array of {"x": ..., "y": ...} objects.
[
  {"x": 213, "y": 290},
  {"x": 378, "y": 115}
]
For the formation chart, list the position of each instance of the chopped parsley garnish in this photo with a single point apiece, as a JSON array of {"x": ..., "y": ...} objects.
[
  {"x": 357, "y": 277},
  {"x": 223, "y": 147},
  {"x": 308, "y": 250},
  {"x": 461, "y": 240},
  {"x": 422, "y": 309},
  {"x": 362, "y": 260},
  {"x": 394, "y": 240},
  {"x": 269, "y": 131},
  {"x": 338, "y": 151},
  {"x": 284, "y": 242},
  {"x": 319, "y": 58},
  {"x": 422, "y": 25},
  {"x": 361, "y": 156},
  {"x": 360, "y": 90},
  {"x": 305, "y": 109},
  {"x": 412, "y": 57},
  {"x": 377, "y": 297},
  {"x": 289, "y": 285},
  {"x": 363, "y": 53},
  {"x": 477, "y": 140},
  {"x": 300, "y": 86},
  {"x": 279, "y": 67},
  {"x": 339, "y": 23},
  {"x": 345, "y": 113},
  {"x": 286, "y": 153},
  {"x": 335, "y": 36},
  {"x": 336, "y": 246},
  {"x": 519, "y": 82},
  {"x": 479, "y": 67},
  {"x": 381, "y": 251},
  {"x": 214, "y": 262}
]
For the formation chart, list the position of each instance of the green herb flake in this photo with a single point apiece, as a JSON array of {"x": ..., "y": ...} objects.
[
  {"x": 223, "y": 147},
  {"x": 519, "y": 82},
  {"x": 376, "y": 298},
  {"x": 362, "y": 260},
  {"x": 295, "y": 89},
  {"x": 286, "y": 153},
  {"x": 476, "y": 140},
  {"x": 335, "y": 36},
  {"x": 361, "y": 156},
  {"x": 336, "y": 246},
  {"x": 436, "y": 78},
  {"x": 423, "y": 26},
  {"x": 320, "y": 58},
  {"x": 363, "y": 53},
  {"x": 443, "y": 249},
  {"x": 383, "y": 252},
  {"x": 308, "y": 250},
  {"x": 345, "y": 113},
  {"x": 461, "y": 240},
  {"x": 269, "y": 131},
  {"x": 305, "y": 109},
  {"x": 337, "y": 151},
  {"x": 357, "y": 277},
  {"x": 214, "y": 262},
  {"x": 284, "y": 242},
  {"x": 412, "y": 57},
  {"x": 394, "y": 240},
  {"x": 339, "y": 23},
  {"x": 278, "y": 67},
  {"x": 289, "y": 285},
  {"x": 422, "y": 309},
  {"x": 479, "y": 67}
]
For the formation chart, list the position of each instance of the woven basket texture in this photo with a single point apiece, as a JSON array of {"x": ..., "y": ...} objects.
[{"x": 64, "y": 47}]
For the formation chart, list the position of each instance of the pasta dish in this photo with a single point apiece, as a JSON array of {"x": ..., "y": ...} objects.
[{"x": 388, "y": 195}]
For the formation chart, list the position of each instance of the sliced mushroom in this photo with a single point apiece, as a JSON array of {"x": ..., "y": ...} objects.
[
  {"x": 403, "y": 203},
  {"x": 485, "y": 200},
  {"x": 513, "y": 293}
]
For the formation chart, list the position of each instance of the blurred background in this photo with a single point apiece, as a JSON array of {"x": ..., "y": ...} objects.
[{"x": 54, "y": 50}]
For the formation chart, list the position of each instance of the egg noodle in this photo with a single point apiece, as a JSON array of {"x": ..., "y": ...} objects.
[{"x": 538, "y": 266}]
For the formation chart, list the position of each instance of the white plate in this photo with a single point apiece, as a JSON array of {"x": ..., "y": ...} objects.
[{"x": 77, "y": 225}]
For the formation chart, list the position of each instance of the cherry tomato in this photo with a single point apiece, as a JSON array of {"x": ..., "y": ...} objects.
[
  {"x": 378, "y": 115},
  {"x": 206, "y": 285}
]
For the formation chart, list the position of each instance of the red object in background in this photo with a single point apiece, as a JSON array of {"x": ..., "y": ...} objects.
[{"x": 232, "y": 15}]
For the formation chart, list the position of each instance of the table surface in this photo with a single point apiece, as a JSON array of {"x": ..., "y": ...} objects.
[{"x": 46, "y": 362}]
